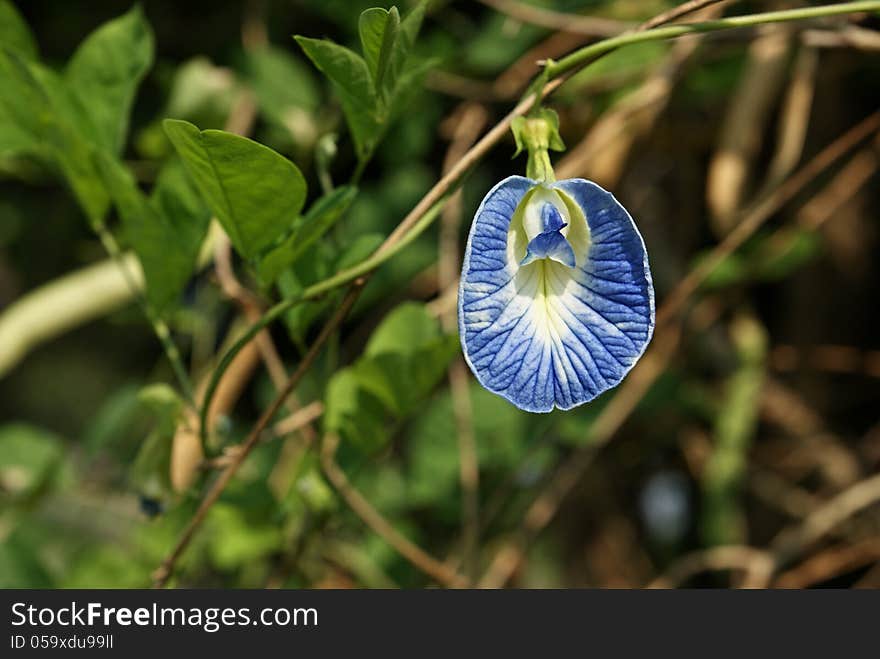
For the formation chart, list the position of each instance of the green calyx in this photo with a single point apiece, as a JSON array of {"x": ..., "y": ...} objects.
[{"x": 538, "y": 133}]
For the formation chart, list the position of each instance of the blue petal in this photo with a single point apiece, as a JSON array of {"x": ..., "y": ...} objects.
[
  {"x": 552, "y": 245},
  {"x": 551, "y": 217},
  {"x": 545, "y": 334}
]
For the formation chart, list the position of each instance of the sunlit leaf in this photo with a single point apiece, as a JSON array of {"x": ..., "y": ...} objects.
[
  {"x": 351, "y": 77},
  {"x": 281, "y": 82},
  {"x": 255, "y": 192},
  {"x": 378, "y": 31},
  {"x": 104, "y": 74}
]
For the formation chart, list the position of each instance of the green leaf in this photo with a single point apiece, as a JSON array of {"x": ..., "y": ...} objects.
[
  {"x": 354, "y": 413},
  {"x": 237, "y": 538},
  {"x": 163, "y": 401},
  {"x": 409, "y": 28},
  {"x": 405, "y": 358},
  {"x": 351, "y": 77},
  {"x": 378, "y": 31},
  {"x": 14, "y": 140},
  {"x": 179, "y": 204},
  {"x": 28, "y": 458},
  {"x": 202, "y": 91},
  {"x": 36, "y": 101},
  {"x": 104, "y": 74},
  {"x": 255, "y": 192},
  {"x": 406, "y": 71},
  {"x": 403, "y": 331},
  {"x": 500, "y": 431},
  {"x": 165, "y": 232},
  {"x": 15, "y": 33},
  {"x": 281, "y": 82},
  {"x": 323, "y": 214},
  {"x": 20, "y": 563}
]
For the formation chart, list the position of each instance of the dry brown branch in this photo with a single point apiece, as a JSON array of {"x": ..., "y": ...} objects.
[
  {"x": 793, "y": 541},
  {"x": 437, "y": 570},
  {"x": 830, "y": 563},
  {"x": 780, "y": 494},
  {"x": 752, "y": 218},
  {"x": 677, "y": 12},
  {"x": 871, "y": 579},
  {"x": 294, "y": 422},
  {"x": 842, "y": 188},
  {"x": 755, "y": 563},
  {"x": 554, "y": 20},
  {"x": 784, "y": 407},
  {"x": 514, "y": 80},
  {"x": 795, "y": 117},
  {"x": 743, "y": 126},
  {"x": 250, "y": 307},
  {"x": 850, "y": 36},
  {"x": 298, "y": 419}
]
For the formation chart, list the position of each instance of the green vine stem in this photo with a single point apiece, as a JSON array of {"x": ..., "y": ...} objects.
[
  {"x": 585, "y": 55},
  {"x": 160, "y": 327},
  {"x": 551, "y": 74}
]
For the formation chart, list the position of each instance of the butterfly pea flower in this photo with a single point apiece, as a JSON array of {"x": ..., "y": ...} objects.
[{"x": 556, "y": 303}]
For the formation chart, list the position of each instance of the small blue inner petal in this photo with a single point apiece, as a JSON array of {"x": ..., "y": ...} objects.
[
  {"x": 550, "y": 245},
  {"x": 551, "y": 218}
]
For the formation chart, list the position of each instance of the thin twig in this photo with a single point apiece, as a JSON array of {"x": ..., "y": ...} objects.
[
  {"x": 251, "y": 309},
  {"x": 753, "y": 218},
  {"x": 756, "y": 564},
  {"x": 850, "y": 36},
  {"x": 295, "y": 422},
  {"x": 791, "y": 542},
  {"x": 437, "y": 570},
  {"x": 831, "y": 563},
  {"x": 554, "y": 20},
  {"x": 299, "y": 419},
  {"x": 675, "y": 13}
]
